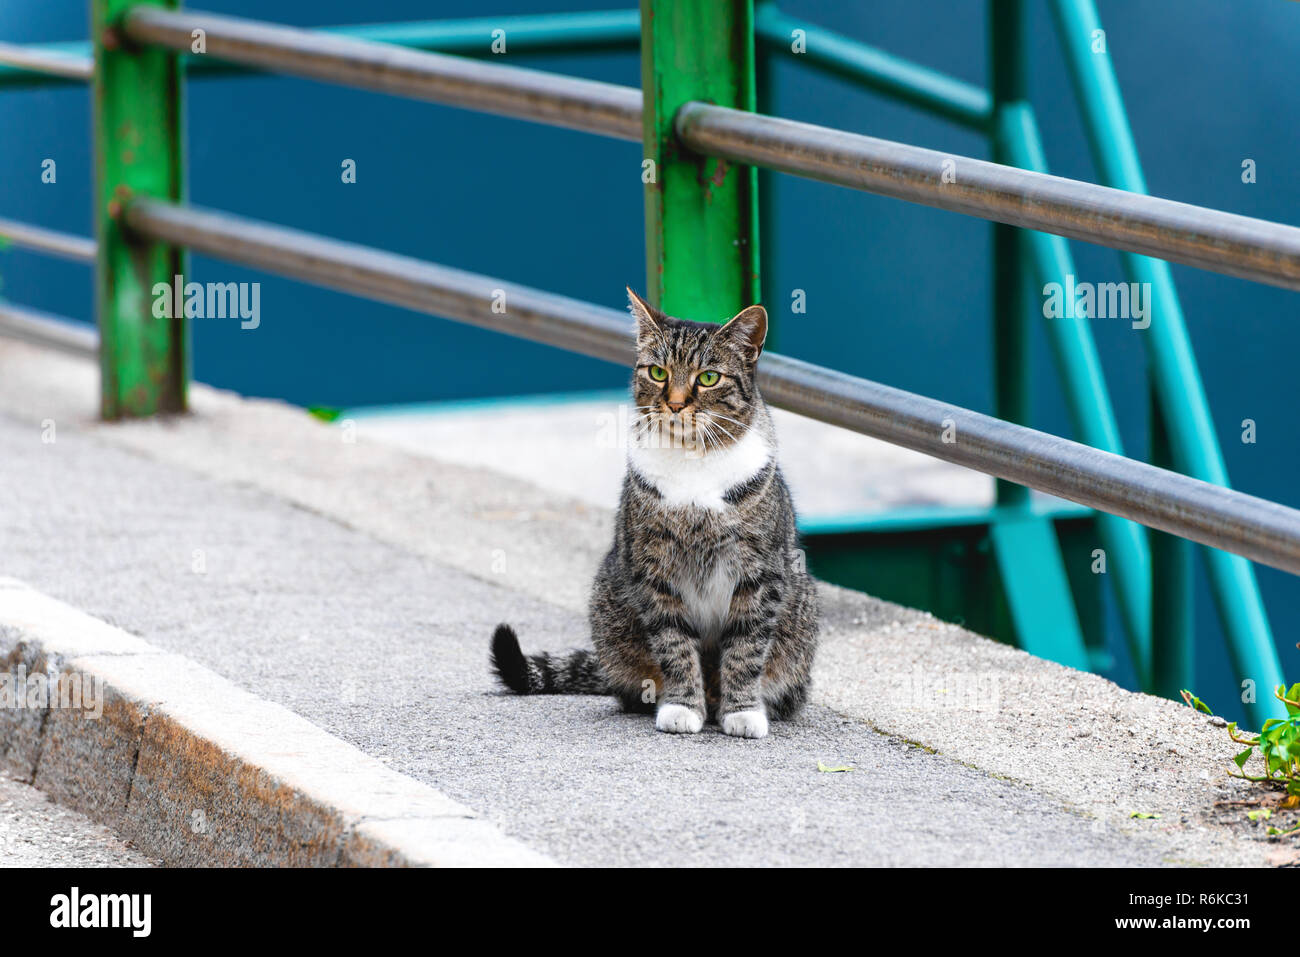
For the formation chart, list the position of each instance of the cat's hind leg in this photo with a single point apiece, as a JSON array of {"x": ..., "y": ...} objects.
[
  {"x": 787, "y": 674},
  {"x": 625, "y": 658}
]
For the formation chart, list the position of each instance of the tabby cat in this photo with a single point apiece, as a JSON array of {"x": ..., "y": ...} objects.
[{"x": 702, "y": 607}]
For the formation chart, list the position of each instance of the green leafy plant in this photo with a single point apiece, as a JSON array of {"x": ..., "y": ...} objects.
[{"x": 1277, "y": 747}]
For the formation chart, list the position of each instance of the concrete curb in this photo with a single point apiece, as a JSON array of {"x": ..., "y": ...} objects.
[{"x": 197, "y": 772}]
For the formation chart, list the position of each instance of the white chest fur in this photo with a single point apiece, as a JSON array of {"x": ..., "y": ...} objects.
[
  {"x": 685, "y": 477},
  {"x": 708, "y": 601}
]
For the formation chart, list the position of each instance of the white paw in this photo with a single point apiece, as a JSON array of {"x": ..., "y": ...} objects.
[
  {"x": 678, "y": 719},
  {"x": 745, "y": 724}
]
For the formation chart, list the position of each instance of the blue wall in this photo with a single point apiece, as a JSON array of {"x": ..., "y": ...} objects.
[{"x": 895, "y": 292}]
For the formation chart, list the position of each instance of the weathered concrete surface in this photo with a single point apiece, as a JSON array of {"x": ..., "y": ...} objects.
[
  {"x": 355, "y": 583},
  {"x": 576, "y": 447},
  {"x": 36, "y": 832},
  {"x": 197, "y": 771}
]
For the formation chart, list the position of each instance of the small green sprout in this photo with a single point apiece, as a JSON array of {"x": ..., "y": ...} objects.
[{"x": 325, "y": 413}]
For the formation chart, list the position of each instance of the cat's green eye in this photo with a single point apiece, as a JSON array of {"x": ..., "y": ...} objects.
[
  {"x": 658, "y": 373},
  {"x": 708, "y": 378}
]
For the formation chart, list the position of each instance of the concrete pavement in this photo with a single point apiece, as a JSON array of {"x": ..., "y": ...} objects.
[
  {"x": 35, "y": 832},
  {"x": 356, "y": 583},
  {"x": 576, "y": 446}
]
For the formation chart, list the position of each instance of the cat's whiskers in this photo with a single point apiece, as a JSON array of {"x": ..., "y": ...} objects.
[
  {"x": 719, "y": 415},
  {"x": 643, "y": 425},
  {"x": 700, "y": 428},
  {"x": 719, "y": 425},
  {"x": 708, "y": 432},
  {"x": 701, "y": 431},
  {"x": 660, "y": 430}
]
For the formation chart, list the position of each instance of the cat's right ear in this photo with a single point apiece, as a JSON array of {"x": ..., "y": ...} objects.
[{"x": 649, "y": 320}]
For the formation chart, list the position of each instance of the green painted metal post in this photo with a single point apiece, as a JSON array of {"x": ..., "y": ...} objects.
[
  {"x": 137, "y": 110},
  {"x": 1011, "y": 380},
  {"x": 701, "y": 213}
]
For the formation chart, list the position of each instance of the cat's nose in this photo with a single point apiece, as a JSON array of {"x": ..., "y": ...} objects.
[{"x": 675, "y": 406}]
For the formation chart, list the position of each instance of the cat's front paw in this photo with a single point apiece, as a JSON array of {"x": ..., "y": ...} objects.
[
  {"x": 745, "y": 724},
  {"x": 678, "y": 719}
]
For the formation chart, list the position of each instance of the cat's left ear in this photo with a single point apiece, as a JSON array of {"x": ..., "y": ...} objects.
[{"x": 747, "y": 329}]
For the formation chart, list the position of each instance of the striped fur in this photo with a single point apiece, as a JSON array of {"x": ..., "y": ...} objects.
[
  {"x": 702, "y": 607},
  {"x": 578, "y": 672}
]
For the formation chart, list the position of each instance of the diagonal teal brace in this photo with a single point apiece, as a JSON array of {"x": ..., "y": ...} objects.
[
  {"x": 1027, "y": 550},
  {"x": 1037, "y": 590},
  {"x": 1080, "y": 374},
  {"x": 1193, "y": 443}
]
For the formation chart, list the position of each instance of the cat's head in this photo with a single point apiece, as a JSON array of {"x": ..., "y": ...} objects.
[{"x": 695, "y": 380}]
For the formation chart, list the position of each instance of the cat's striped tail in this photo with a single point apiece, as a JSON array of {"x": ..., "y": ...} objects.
[{"x": 577, "y": 672}]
